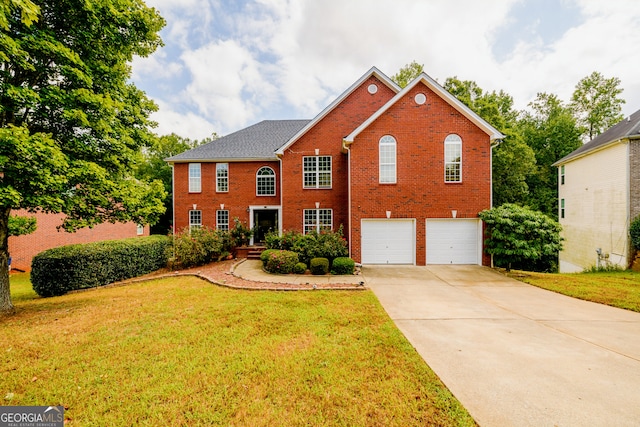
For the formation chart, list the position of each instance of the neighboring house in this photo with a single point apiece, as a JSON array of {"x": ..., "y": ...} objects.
[
  {"x": 23, "y": 248},
  {"x": 599, "y": 196},
  {"x": 404, "y": 171}
]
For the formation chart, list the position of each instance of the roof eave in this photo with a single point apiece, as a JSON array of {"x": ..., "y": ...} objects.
[
  {"x": 570, "y": 157},
  {"x": 493, "y": 133},
  {"x": 224, "y": 160}
]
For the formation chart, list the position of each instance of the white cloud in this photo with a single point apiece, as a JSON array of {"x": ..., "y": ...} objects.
[{"x": 189, "y": 124}]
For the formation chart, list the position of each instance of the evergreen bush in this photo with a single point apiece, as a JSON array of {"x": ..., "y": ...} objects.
[
  {"x": 59, "y": 270},
  {"x": 319, "y": 266},
  {"x": 281, "y": 262},
  {"x": 300, "y": 268},
  {"x": 343, "y": 265}
]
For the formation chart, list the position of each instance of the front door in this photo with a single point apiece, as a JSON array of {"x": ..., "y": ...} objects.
[{"x": 264, "y": 220}]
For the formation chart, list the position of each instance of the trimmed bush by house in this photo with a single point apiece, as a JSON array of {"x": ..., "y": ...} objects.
[
  {"x": 60, "y": 270},
  {"x": 634, "y": 232},
  {"x": 343, "y": 265},
  {"x": 319, "y": 266},
  {"x": 300, "y": 268},
  {"x": 264, "y": 256},
  {"x": 200, "y": 246},
  {"x": 282, "y": 262}
]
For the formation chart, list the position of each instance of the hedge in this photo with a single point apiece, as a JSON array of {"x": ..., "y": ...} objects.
[
  {"x": 343, "y": 265},
  {"x": 282, "y": 262},
  {"x": 319, "y": 266},
  {"x": 60, "y": 270}
]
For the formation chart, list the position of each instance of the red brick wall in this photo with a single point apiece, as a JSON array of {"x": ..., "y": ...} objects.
[
  {"x": 242, "y": 192},
  {"x": 420, "y": 191},
  {"x": 327, "y": 136},
  {"x": 23, "y": 248}
]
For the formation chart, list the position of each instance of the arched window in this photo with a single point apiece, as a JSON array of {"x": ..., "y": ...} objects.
[
  {"x": 387, "y": 153},
  {"x": 453, "y": 158},
  {"x": 265, "y": 182}
]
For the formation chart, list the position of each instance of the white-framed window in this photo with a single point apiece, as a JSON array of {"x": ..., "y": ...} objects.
[
  {"x": 562, "y": 175},
  {"x": 222, "y": 177},
  {"x": 265, "y": 182},
  {"x": 195, "y": 219},
  {"x": 387, "y": 155},
  {"x": 316, "y": 172},
  {"x": 453, "y": 158},
  {"x": 195, "y": 178},
  {"x": 222, "y": 220},
  {"x": 318, "y": 220},
  {"x": 561, "y": 208},
  {"x": 139, "y": 229}
]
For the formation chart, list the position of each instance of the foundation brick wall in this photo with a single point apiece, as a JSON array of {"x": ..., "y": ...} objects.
[{"x": 23, "y": 248}]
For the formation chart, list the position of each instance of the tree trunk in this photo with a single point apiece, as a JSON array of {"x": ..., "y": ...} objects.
[{"x": 6, "y": 307}]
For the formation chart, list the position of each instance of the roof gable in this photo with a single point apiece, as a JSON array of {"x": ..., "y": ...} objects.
[
  {"x": 442, "y": 93},
  {"x": 257, "y": 142},
  {"x": 372, "y": 72},
  {"x": 628, "y": 128}
]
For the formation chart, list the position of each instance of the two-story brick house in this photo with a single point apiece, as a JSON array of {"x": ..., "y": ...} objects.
[{"x": 404, "y": 171}]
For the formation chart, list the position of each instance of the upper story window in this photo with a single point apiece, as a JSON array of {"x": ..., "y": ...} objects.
[
  {"x": 265, "y": 182},
  {"x": 453, "y": 159},
  {"x": 195, "y": 219},
  {"x": 222, "y": 220},
  {"x": 316, "y": 171},
  {"x": 561, "y": 208},
  {"x": 195, "y": 178},
  {"x": 387, "y": 153},
  {"x": 318, "y": 220},
  {"x": 562, "y": 175},
  {"x": 222, "y": 177}
]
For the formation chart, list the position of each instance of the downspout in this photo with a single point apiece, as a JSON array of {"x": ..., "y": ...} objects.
[
  {"x": 173, "y": 204},
  {"x": 280, "y": 220},
  {"x": 494, "y": 144},
  {"x": 346, "y": 148}
]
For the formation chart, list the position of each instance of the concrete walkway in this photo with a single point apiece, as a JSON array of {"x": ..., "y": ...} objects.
[{"x": 514, "y": 354}]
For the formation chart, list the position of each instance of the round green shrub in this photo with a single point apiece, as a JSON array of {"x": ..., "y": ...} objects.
[
  {"x": 343, "y": 265},
  {"x": 281, "y": 262},
  {"x": 319, "y": 266},
  {"x": 300, "y": 268},
  {"x": 264, "y": 256}
]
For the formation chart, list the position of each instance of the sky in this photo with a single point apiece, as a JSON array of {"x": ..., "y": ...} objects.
[{"x": 228, "y": 64}]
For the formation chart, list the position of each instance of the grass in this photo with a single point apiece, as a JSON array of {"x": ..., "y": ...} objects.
[
  {"x": 616, "y": 288},
  {"x": 180, "y": 352}
]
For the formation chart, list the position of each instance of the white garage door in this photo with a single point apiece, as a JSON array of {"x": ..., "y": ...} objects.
[
  {"x": 388, "y": 241},
  {"x": 453, "y": 241}
]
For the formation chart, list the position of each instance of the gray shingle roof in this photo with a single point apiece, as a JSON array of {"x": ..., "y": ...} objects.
[
  {"x": 257, "y": 142},
  {"x": 627, "y": 128}
]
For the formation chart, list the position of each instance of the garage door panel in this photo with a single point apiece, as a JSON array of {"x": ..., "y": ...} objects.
[
  {"x": 454, "y": 241},
  {"x": 388, "y": 241}
]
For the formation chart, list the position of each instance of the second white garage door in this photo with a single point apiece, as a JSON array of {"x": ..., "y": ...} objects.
[
  {"x": 453, "y": 241},
  {"x": 388, "y": 241}
]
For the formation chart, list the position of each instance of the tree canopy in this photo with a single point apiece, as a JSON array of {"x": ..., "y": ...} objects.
[
  {"x": 407, "y": 73},
  {"x": 597, "y": 104},
  {"x": 71, "y": 123}
]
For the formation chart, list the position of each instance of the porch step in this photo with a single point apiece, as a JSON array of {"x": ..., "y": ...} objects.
[{"x": 252, "y": 252}]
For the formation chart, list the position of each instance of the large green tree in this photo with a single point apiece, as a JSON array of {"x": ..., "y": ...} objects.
[
  {"x": 552, "y": 132},
  {"x": 71, "y": 124},
  {"x": 407, "y": 73},
  {"x": 513, "y": 160},
  {"x": 597, "y": 103}
]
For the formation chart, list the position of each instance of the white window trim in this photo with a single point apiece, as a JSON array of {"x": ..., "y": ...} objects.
[
  {"x": 273, "y": 176},
  {"x": 194, "y": 224},
  {"x": 316, "y": 223},
  {"x": 193, "y": 188},
  {"x": 317, "y": 174},
  {"x": 452, "y": 139},
  {"x": 388, "y": 141},
  {"x": 219, "y": 167},
  {"x": 562, "y": 209},
  {"x": 562, "y": 173},
  {"x": 139, "y": 229},
  {"x": 219, "y": 223}
]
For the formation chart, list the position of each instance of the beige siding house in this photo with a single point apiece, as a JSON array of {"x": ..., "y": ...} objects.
[{"x": 599, "y": 196}]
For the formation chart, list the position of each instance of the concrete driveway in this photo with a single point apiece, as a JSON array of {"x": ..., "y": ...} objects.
[{"x": 514, "y": 354}]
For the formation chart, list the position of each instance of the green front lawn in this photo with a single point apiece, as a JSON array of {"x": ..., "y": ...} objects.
[
  {"x": 180, "y": 351},
  {"x": 619, "y": 288}
]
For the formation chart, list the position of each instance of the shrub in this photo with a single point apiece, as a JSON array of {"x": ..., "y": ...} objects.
[
  {"x": 343, "y": 265},
  {"x": 300, "y": 268},
  {"x": 634, "y": 232},
  {"x": 281, "y": 262},
  {"x": 264, "y": 256},
  {"x": 60, "y": 270},
  {"x": 326, "y": 244},
  {"x": 319, "y": 266},
  {"x": 198, "y": 246}
]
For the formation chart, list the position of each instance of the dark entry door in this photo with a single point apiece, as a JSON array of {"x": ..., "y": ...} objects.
[{"x": 265, "y": 220}]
